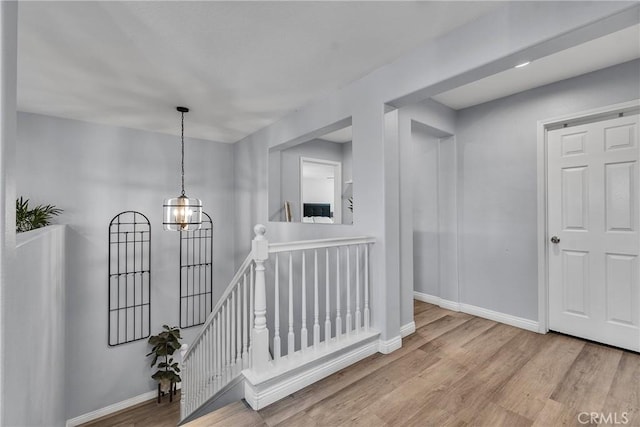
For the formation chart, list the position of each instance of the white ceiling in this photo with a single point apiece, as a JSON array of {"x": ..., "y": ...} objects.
[
  {"x": 615, "y": 48},
  {"x": 239, "y": 66},
  {"x": 340, "y": 136}
]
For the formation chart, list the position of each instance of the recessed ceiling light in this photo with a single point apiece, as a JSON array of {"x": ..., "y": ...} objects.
[{"x": 524, "y": 64}]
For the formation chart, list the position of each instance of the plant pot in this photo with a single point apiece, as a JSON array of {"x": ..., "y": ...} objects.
[{"x": 165, "y": 385}]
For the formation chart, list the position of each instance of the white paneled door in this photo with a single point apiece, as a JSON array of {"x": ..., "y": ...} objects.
[{"x": 593, "y": 219}]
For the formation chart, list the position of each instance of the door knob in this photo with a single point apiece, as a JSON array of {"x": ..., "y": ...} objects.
[{"x": 555, "y": 240}]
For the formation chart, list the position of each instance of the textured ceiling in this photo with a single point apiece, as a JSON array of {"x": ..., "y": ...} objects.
[{"x": 239, "y": 66}]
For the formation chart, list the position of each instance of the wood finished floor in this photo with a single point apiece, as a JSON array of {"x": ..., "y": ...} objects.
[{"x": 456, "y": 370}]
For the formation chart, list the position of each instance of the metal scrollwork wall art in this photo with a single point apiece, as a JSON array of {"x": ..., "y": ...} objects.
[
  {"x": 129, "y": 278},
  {"x": 196, "y": 275}
]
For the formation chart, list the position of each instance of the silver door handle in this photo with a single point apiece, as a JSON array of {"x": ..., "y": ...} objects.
[{"x": 555, "y": 240}]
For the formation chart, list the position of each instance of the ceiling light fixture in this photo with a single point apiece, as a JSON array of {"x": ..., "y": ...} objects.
[
  {"x": 182, "y": 213},
  {"x": 524, "y": 64}
]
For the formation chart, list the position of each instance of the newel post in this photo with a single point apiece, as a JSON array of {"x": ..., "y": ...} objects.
[{"x": 260, "y": 338}]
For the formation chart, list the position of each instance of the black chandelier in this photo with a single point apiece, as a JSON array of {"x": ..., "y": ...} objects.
[{"x": 182, "y": 213}]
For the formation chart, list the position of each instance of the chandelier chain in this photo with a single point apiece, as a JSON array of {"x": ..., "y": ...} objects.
[{"x": 182, "y": 140}]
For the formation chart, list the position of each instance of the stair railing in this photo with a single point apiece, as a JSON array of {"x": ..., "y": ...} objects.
[
  {"x": 236, "y": 336},
  {"x": 222, "y": 348}
]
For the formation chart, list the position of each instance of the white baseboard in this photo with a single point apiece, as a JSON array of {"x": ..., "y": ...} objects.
[
  {"x": 431, "y": 299},
  {"x": 107, "y": 410},
  {"x": 408, "y": 329},
  {"x": 507, "y": 319},
  {"x": 111, "y": 409},
  {"x": 389, "y": 346}
]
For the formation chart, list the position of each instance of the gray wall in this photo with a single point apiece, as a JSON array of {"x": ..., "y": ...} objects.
[
  {"x": 497, "y": 154},
  {"x": 8, "y": 80},
  {"x": 36, "y": 374},
  {"x": 94, "y": 172},
  {"x": 426, "y": 254},
  {"x": 428, "y": 197},
  {"x": 493, "y": 43}
]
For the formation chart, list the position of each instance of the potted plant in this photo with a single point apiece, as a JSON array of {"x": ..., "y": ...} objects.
[
  {"x": 31, "y": 218},
  {"x": 164, "y": 345}
]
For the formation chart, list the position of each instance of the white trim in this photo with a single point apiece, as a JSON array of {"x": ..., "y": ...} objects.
[
  {"x": 507, "y": 319},
  {"x": 389, "y": 346},
  {"x": 432, "y": 299},
  {"x": 261, "y": 395},
  {"x": 319, "y": 243},
  {"x": 543, "y": 233},
  {"x": 408, "y": 329},
  {"x": 450, "y": 305},
  {"x": 116, "y": 407}
]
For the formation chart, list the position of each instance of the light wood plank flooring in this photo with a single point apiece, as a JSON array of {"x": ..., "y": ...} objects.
[{"x": 456, "y": 370}]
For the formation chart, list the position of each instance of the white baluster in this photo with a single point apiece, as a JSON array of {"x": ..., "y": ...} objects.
[
  {"x": 184, "y": 372},
  {"x": 316, "y": 324},
  {"x": 251, "y": 309},
  {"x": 338, "y": 318},
  {"x": 207, "y": 362},
  {"x": 327, "y": 320},
  {"x": 245, "y": 320},
  {"x": 290, "y": 335},
  {"x": 227, "y": 346},
  {"x": 211, "y": 356},
  {"x": 239, "y": 329},
  {"x": 219, "y": 342},
  {"x": 260, "y": 340},
  {"x": 276, "y": 320},
  {"x": 303, "y": 329},
  {"x": 198, "y": 360},
  {"x": 223, "y": 339},
  {"x": 348, "y": 317},
  {"x": 366, "y": 288},
  {"x": 232, "y": 347},
  {"x": 358, "y": 314}
]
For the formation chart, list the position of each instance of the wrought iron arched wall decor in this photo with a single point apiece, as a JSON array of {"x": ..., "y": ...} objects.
[
  {"x": 129, "y": 278},
  {"x": 196, "y": 274}
]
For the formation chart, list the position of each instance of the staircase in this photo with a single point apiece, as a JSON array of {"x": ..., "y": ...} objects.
[{"x": 316, "y": 293}]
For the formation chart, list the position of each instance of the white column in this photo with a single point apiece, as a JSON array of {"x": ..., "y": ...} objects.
[{"x": 260, "y": 340}]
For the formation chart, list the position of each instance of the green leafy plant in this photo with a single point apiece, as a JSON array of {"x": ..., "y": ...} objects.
[
  {"x": 164, "y": 345},
  {"x": 31, "y": 218}
]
